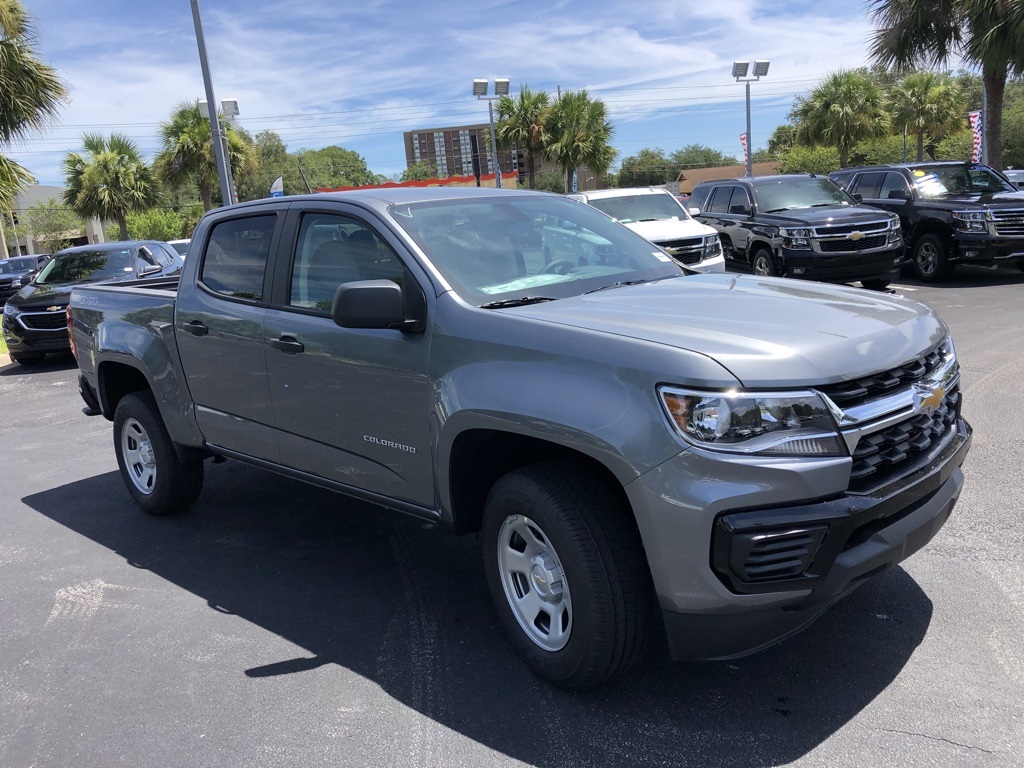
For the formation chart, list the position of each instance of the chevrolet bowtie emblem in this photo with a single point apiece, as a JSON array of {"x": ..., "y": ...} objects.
[
  {"x": 928, "y": 399},
  {"x": 855, "y": 236},
  {"x": 52, "y": 309}
]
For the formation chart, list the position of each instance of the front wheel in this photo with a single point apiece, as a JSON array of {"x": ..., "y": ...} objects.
[
  {"x": 567, "y": 574},
  {"x": 158, "y": 481},
  {"x": 930, "y": 259},
  {"x": 762, "y": 264}
]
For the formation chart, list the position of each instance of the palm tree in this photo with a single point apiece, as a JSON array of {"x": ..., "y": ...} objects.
[
  {"x": 30, "y": 92},
  {"x": 928, "y": 103},
  {"x": 846, "y": 108},
  {"x": 109, "y": 180},
  {"x": 188, "y": 154},
  {"x": 579, "y": 133},
  {"x": 987, "y": 33},
  {"x": 521, "y": 125}
]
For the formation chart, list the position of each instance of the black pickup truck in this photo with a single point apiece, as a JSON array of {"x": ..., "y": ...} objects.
[
  {"x": 801, "y": 226},
  {"x": 952, "y": 212}
]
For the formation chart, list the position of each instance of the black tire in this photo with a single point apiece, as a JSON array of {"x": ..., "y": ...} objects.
[
  {"x": 591, "y": 556},
  {"x": 875, "y": 285},
  {"x": 1020, "y": 266},
  {"x": 158, "y": 481},
  {"x": 761, "y": 264},
  {"x": 930, "y": 259},
  {"x": 28, "y": 358}
]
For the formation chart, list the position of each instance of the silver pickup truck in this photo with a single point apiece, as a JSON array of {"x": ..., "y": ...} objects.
[{"x": 642, "y": 449}]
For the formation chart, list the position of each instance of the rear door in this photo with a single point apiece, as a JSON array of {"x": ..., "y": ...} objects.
[
  {"x": 219, "y": 332},
  {"x": 352, "y": 406}
]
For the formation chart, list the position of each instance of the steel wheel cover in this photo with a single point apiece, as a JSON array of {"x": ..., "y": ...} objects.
[
  {"x": 927, "y": 258},
  {"x": 139, "y": 459},
  {"x": 534, "y": 583}
]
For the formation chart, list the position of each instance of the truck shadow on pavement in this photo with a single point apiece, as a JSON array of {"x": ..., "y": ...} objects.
[
  {"x": 404, "y": 603},
  {"x": 52, "y": 362}
]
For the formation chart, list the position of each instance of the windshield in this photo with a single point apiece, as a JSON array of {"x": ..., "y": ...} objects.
[
  {"x": 786, "y": 194},
  {"x": 9, "y": 266},
  {"x": 86, "y": 266},
  {"x": 935, "y": 181},
  {"x": 629, "y": 208},
  {"x": 539, "y": 246}
]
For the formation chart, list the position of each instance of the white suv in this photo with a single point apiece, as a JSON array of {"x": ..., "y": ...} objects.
[{"x": 657, "y": 216}]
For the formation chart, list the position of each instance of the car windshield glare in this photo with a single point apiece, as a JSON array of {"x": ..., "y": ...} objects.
[
  {"x": 86, "y": 266},
  {"x": 786, "y": 194},
  {"x": 937, "y": 181},
  {"x": 505, "y": 247},
  {"x": 630, "y": 208}
]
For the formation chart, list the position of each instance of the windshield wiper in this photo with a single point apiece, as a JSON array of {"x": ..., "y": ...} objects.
[
  {"x": 619, "y": 284},
  {"x": 777, "y": 210},
  {"x": 522, "y": 301}
]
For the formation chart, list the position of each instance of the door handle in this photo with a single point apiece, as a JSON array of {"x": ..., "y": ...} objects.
[
  {"x": 288, "y": 344},
  {"x": 195, "y": 327}
]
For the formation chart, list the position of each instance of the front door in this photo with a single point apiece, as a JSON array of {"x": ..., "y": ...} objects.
[{"x": 350, "y": 405}]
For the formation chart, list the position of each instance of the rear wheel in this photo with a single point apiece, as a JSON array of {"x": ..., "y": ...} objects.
[
  {"x": 28, "y": 358},
  {"x": 159, "y": 482},
  {"x": 567, "y": 574},
  {"x": 930, "y": 259},
  {"x": 762, "y": 264}
]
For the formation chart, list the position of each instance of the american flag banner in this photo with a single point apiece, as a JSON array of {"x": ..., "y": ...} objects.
[
  {"x": 743, "y": 142},
  {"x": 978, "y": 129}
]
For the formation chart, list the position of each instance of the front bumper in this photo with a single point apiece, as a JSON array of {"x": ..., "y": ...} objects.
[
  {"x": 983, "y": 248},
  {"x": 21, "y": 339},
  {"x": 842, "y": 267},
  {"x": 709, "y": 610}
]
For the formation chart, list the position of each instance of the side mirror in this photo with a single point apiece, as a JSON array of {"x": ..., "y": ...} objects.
[
  {"x": 739, "y": 210},
  {"x": 858, "y": 197},
  {"x": 370, "y": 304},
  {"x": 149, "y": 269},
  {"x": 693, "y": 210},
  {"x": 898, "y": 194}
]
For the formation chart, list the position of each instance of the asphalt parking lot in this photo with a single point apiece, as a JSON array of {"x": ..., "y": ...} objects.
[{"x": 279, "y": 625}]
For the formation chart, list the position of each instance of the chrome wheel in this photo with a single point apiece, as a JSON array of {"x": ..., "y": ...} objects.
[
  {"x": 762, "y": 265},
  {"x": 927, "y": 258},
  {"x": 534, "y": 583},
  {"x": 139, "y": 458}
]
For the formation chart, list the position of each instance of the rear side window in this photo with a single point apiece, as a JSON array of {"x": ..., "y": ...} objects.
[{"x": 236, "y": 256}]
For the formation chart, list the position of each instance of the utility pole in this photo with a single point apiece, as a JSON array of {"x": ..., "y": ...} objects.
[{"x": 223, "y": 172}]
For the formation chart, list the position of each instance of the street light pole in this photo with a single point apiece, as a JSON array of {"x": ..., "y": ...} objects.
[
  {"x": 739, "y": 71},
  {"x": 480, "y": 87},
  {"x": 222, "y": 168}
]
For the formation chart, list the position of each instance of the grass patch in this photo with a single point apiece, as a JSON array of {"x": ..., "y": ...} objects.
[{"x": 3, "y": 346}]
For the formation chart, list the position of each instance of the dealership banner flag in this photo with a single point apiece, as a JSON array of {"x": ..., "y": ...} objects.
[
  {"x": 277, "y": 188},
  {"x": 977, "y": 121},
  {"x": 743, "y": 142}
]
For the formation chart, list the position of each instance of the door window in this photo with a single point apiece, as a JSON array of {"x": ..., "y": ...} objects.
[
  {"x": 739, "y": 204},
  {"x": 868, "y": 184},
  {"x": 894, "y": 182},
  {"x": 719, "y": 202},
  {"x": 236, "y": 256},
  {"x": 335, "y": 249}
]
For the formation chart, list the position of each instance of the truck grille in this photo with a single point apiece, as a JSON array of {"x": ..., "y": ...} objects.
[
  {"x": 43, "y": 321},
  {"x": 869, "y": 388},
  {"x": 688, "y": 250},
  {"x": 864, "y": 244},
  {"x": 1008, "y": 223},
  {"x": 868, "y": 227}
]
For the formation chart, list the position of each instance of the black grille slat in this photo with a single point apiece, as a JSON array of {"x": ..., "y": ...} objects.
[
  {"x": 864, "y": 244},
  {"x": 51, "y": 321},
  {"x": 868, "y": 388}
]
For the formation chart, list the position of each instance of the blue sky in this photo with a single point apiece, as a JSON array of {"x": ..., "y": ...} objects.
[{"x": 358, "y": 74}]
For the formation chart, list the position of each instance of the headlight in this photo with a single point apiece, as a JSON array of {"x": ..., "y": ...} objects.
[
  {"x": 16, "y": 282},
  {"x": 10, "y": 310},
  {"x": 795, "y": 238},
  {"x": 769, "y": 424},
  {"x": 895, "y": 233},
  {"x": 970, "y": 221},
  {"x": 712, "y": 246}
]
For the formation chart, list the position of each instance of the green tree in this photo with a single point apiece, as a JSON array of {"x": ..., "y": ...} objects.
[
  {"x": 109, "y": 180},
  {"x": 154, "y": 224},
  {"x": 986, "y": 33},
  {"x": 188, "y": 155},
  {"x": 647, "y": 167},
  {"x": 333, "y": 167},
  {"x": 579, "y": 133},
  {"x": 846, "y": 108},
  {"x": 928, "y": 104},
  {"x": 522, "y": 125},
  {"x": 550, "y": 181},
  {"x": 699, "y": 156},
  {"x": 31, "y": 93},
  {"x": 956, "y": 146},
  {"x": 782, "y": 138},
  {"x": 420, "y": 171},
  {"x": 53, "y": 224},
  {"x": 884, "y": 149},
  {"x": 801, "y": 159}
]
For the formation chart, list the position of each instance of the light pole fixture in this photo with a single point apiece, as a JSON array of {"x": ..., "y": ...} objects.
[
  {"x": 480, "y": 87},
  {"x": 229, "y": 109},
  {"x": 739, "y": 71},
  {"x": 223, "y": 170}
]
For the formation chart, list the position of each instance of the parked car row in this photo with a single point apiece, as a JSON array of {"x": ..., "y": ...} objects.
[{"x": 34, "y": 321}]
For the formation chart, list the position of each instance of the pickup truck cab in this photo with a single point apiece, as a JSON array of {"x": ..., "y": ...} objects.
[
  {"x": 626, "y": 436},
  {"x": 951, "y": 212}
]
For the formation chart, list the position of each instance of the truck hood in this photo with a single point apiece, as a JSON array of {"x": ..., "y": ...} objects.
[
  {"x": 995, "y": 200},
  {"x": 36, "y": 296},
  {"x": 826, "y": 215},
  {"x": 768, "y": 332},
  {"x": 669, "y": 229}
]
